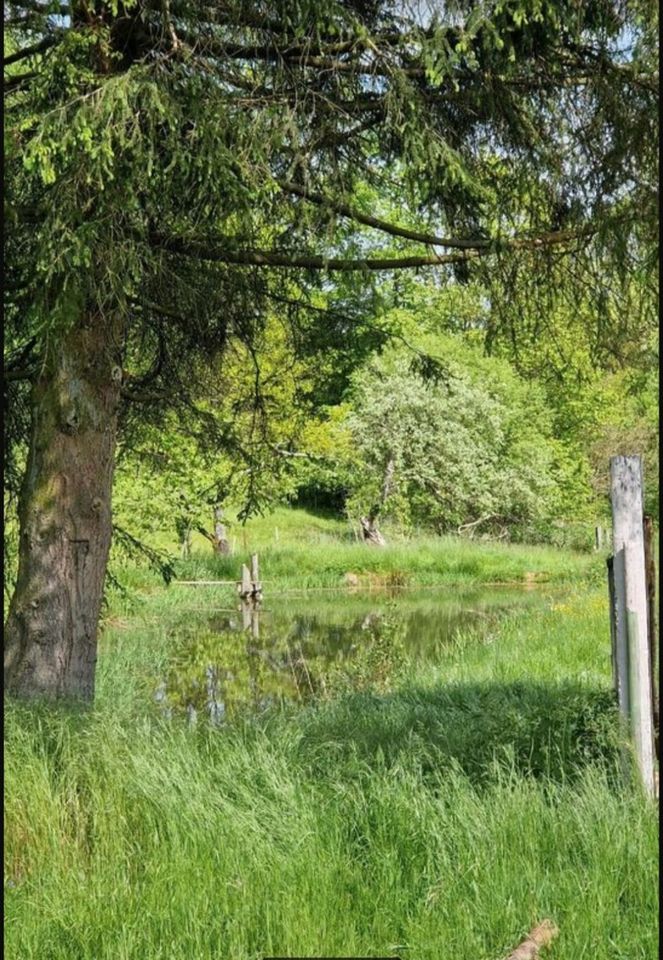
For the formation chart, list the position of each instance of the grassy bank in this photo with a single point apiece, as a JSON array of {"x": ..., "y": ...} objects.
[
  {"x": 439, "y": 818},
  {"x": 298, "y": 548}
]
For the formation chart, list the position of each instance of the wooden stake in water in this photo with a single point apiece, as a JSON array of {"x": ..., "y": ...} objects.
[
  {"x": 630, "y": 593},
  {"x": 245, "y": 583},
  {"x": 256, "y": 586}
]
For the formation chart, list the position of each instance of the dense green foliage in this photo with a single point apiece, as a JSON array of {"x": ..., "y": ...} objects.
[
  {"x": 465, "y": 440},
  {"x": 475, "y": 448},
  {"x": 192, "y": 171}
]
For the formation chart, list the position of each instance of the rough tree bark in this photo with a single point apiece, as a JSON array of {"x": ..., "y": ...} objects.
[
  {"x": 370, "y": 532},
  {"x": 369, "y": 524},
  {"x": 220, "y": 539},
  {"x": 50, "y": 647}
]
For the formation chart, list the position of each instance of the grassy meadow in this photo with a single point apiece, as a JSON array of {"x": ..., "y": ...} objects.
[
  {"x": 440, "y": 815},
  {"x": 304, "y": 549}
]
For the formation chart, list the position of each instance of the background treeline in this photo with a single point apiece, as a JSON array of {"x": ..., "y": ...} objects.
[{"x": 433, "y": 419}]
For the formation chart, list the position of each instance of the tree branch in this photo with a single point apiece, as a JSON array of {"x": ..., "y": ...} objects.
[
  {"x": 145, "y": 396},
  {"x": 11, "y": 376},
  {"x": 326, "y": 57},
  {"x": 210, "y": 250},
  {"x": 376, "y": 223},
  {"x": 15, "y": 82},
  {"x": 14, "y": 369},
  {"x": 32, "y": 51},
  {"x": 207, "y": 250}
]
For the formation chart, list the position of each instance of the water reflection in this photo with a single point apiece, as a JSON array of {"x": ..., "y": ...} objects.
[{"x": 298, "y": 648}]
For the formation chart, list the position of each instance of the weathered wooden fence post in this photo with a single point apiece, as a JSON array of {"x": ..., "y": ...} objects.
[
  {"x": 245, "y": 583},
  {"x": 634, "y": 683},
  {"x": 598, "y": 538}
]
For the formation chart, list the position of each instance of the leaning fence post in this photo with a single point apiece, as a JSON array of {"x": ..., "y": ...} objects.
[{"x": 631, "y": 607}]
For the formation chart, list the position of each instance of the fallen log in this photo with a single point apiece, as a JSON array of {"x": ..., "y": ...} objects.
[{"x": 539, "y": 936}]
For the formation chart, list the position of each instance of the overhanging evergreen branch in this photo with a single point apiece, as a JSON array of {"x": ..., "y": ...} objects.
[
  {"x": 156, "y": 559},
  {"x": 377, "y": 223},
  {"x": 30, "y": 51},
  {"x": 213, "y": 251}
]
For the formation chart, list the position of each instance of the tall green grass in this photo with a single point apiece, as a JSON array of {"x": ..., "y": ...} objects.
[
  {"x": 440, "y": 819},
  {"x": 302, "y": 549},
  {"x": 428, "y": 561}
]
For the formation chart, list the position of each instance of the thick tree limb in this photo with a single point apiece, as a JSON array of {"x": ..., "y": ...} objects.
[
  {"x": 326, "y": 57},
  {"x": 396, "y": 230},
  {"x": 31, "y": 51},
  {"x": 160, "y": 396},
  {"x": 210, "y": 250}
]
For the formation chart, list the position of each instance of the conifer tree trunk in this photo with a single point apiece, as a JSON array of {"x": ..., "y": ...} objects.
[{"x": 50, "y": 647}]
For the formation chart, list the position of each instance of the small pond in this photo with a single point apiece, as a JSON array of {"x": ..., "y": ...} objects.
[{"x": 301, "y": 647}]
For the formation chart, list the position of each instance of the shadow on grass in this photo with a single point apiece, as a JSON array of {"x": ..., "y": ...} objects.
[{"x": 550, "y": 731}]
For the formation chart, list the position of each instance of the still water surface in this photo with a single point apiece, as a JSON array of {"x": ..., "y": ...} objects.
[{"x": 302, "y": 647}]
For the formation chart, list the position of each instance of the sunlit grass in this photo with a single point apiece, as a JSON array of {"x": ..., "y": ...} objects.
[
  {"x": 441, "y": 819},
  {"x": 304, "y": 549}
]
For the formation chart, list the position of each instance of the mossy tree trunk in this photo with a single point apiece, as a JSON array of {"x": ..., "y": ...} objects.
[{"x": 50, "y": 647}]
